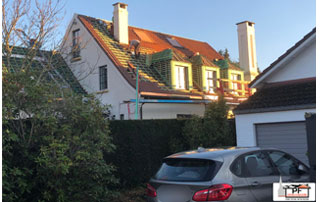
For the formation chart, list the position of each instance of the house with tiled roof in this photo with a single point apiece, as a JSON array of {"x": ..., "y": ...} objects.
[
  {"x": 50, "y": 62},
  {"x": 177, "y": 77},
  {"x": 275, "y": 115}
]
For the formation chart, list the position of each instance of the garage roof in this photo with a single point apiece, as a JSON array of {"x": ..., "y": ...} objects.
[{"x": 288, "y": 95}]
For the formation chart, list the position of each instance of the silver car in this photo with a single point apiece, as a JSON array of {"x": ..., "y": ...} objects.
[{"x": 229, "y": 174}]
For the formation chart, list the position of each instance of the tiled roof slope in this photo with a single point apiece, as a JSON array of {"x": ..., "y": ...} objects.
[
  {"x": 60, "y": 72},
  {"x": 160, "y": 42},
  {"x": 281, "y": 96},
  {"x": 153, "y": 42},
  {"x": 284, "y": 55}
]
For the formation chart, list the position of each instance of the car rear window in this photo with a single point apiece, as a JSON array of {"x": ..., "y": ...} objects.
[{"x": 190, "y": 170}]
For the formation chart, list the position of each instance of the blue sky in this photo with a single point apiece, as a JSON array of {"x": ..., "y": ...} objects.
[{"x": 279, "y": 23}]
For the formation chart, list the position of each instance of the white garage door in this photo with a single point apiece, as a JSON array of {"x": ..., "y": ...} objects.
[{"x": 289, "y": 137}]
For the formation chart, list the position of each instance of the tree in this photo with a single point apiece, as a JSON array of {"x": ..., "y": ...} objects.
[
  {"x": 213, "y": 130},
  {"x": 54, "y": 139},
  {"x": 226, "y": 55}
]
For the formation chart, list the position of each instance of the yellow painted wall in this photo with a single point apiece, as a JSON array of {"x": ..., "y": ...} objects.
[
  {"x": 204, "y": 81},
  {"x": 173, "y": 73}
]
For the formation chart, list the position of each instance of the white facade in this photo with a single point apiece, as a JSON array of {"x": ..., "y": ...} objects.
[
  {"x": 170, "y": 110},
  {"x": 87, "y": 71},
  {"x": 245, "y": 123},
  {"x": 247, "y": 50},
  {"x": 300, "y": 63},
  {"x": 301, "y": 66}
]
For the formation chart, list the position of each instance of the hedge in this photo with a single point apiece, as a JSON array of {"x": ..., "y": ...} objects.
[{"x": 142, "y": 144}]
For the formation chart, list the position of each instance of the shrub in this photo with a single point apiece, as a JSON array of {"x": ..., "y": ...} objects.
[
  {"x": 213, "y": 130},
  {"x": 53, "y": 143}
]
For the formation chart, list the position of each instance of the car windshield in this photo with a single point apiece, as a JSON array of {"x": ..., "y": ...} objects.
[{"x": 187, "y": 170}]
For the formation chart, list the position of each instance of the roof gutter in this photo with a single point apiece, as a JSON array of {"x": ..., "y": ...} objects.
[
  {"x": 170, "y": 95},
  {"x": 173, "y": 101}
]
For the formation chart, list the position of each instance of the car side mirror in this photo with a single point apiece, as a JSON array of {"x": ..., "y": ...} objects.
[{"x": 302, "y": 168}]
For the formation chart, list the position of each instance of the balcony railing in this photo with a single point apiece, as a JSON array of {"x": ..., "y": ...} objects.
[{"x": 236, "y": 87}]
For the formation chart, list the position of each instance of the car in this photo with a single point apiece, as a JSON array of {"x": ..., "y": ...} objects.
[{"x": 230, "y": 174}]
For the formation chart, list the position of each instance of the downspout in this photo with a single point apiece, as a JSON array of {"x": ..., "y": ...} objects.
[{"x": 141, "y": 116}]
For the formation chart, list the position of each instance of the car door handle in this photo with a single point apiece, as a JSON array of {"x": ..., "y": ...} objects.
[{"x": 255, "y": 183}]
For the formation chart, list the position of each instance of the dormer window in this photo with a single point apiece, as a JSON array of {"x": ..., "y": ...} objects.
[
  {"x": 211, "y": 80},
  {"x": 181, "y": 77},
  {"x": 76, "y": 44}
]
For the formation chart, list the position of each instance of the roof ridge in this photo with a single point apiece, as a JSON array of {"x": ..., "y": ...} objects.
[{"x": 148, "y": 30}]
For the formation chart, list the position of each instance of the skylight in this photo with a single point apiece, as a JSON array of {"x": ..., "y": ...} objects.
[{"x": 174, "y": 42}]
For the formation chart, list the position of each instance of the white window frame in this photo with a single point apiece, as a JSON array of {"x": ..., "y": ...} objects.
[
  {"x": 210, "y": 80},
  {"x": 180, "y": 77},
  {"x": 234, "y": 77}
]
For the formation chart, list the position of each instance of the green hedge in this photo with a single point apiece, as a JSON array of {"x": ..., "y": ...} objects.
[{"x": 141, "y": 146}]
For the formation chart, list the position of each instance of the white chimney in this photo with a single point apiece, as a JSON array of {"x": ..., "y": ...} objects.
[
  {"x": 120, "y": 23},
  {"x": 247, "y": 50}
]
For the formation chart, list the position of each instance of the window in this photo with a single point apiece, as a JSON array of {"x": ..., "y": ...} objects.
[
  {"x": 252, "y": 165},
  {"x": 76, "y": 43},
  {"x": 181, "y": 77},
  {"x": 235, "y": 85},
  {"x": 174, "y": 42},
  {"x": 191, "y": 170},
  {"x": 211, "y": 77},
  {"x": 286, "y": 164},
  {"x": 121, "y": 116},
  {"x": 184, "y": 116},
  {"x": 103, "y": 77}
]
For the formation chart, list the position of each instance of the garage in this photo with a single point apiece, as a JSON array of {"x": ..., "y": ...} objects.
[{"x": 290, "y": 137}]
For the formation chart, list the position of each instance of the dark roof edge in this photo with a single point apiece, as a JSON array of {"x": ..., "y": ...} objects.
[
  {"x": 290, "y": 50},
  {"x": 275, "y": 109},
  {"x": 244, "y": 22}
]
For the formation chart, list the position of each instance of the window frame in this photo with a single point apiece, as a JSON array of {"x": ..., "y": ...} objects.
[
  {"x": 178, "y": 70},
  {"x": 213, "y": 79},
  {"x": 292, "y": 157},
  {"x": 103, "y": 77},
  {"x": 75, "y": 43}
]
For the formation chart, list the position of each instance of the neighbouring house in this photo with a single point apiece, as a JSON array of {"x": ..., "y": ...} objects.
[
  {"x": 275, "y": 115},
  {"x": 177, "y": 76},
  {"x": 56, "y": 69}
]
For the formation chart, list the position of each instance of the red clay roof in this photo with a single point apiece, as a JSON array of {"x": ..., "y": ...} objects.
[
  {"x": 160, "y": 42},
  {"x": 151, "y": 42}
]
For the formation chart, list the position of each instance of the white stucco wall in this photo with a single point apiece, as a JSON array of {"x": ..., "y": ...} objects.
[
  {"x": 170, "y": 110},
  {"x": 87, "y": 71},
  {"x": 245, "y": 123},
  {"x": 301, "y": 66}
]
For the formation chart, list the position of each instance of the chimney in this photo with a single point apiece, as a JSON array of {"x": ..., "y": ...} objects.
[
  {"x": 120, "y": 23},
  {"x": 247, "y": 50}
]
